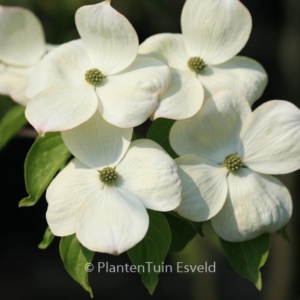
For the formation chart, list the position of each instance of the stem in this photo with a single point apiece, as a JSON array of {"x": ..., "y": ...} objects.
[{"x": 27, "y": 133}]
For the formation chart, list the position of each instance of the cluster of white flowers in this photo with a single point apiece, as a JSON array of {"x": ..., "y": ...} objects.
[
  {"x": 96, "y": 89},
  {"x": 22, "y": 45}
]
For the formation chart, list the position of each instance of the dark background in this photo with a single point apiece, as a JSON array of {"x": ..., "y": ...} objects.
[{"x": 29, "y": 273}]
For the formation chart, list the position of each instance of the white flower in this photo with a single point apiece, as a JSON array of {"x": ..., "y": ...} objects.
[
  {"x": 22, "y": 45},
  {"x": 231, "y": 152},
  {"x": 108, "y": 213},
  {"x": 101, "y": 71},
  {"x": 202, "y": 58}
]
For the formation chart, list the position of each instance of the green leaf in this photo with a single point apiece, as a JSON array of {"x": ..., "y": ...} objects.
[
  {"x": 133, "y": 137},
  {"x": 47, "y": 239},
  {"x": 5, "y": 105},
  {"x": 248, "y": 257},
  {"x": 282, "y": 232},
  {"x": 138, "y": 133},
  {"x": 11, "y": 123},
  {"x": 77, "y": 260},
  {"x": 182, "y": 232},
  {"x": 46, "y": 156},
  {"x": 159, "y": 132},
  {"x": 197, "y": 226},
  {"x": 152, "y": 249}
]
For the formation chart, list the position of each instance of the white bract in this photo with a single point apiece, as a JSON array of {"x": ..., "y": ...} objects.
[
  {"x": 229, "y": 153},
  {"x": 22, "y": 45},
  {"x": 202, "y": 58},
  {"x": 100, "y": 71},
  {"x": 103, "y": 193}
]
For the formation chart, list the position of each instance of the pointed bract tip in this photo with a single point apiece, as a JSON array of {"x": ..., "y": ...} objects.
[
  {"x": 116, "y": 253},
  {"x": 41, "y": 133}
]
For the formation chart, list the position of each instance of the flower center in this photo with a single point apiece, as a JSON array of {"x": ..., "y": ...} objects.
[
  {"x": 94, "y": 76},
  {"x": 233, "y": 162},
  {"x": 108, "y": 175},
  {"x": 196, "y": 64}
]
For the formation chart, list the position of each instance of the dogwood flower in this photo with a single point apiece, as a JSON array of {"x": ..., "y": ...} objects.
[
  {"x": 202, "y": 59},
  {"x": 103, "y": 193},
  {"x": 22, "y": 46},
  {"x": 100, "y": 71},
  {"x": 229, "y": 154}
]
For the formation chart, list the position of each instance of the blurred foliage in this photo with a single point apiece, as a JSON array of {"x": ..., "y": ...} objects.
[
  {"x": 11, "y": 122},
  {"x": 5, "y": 105}
]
